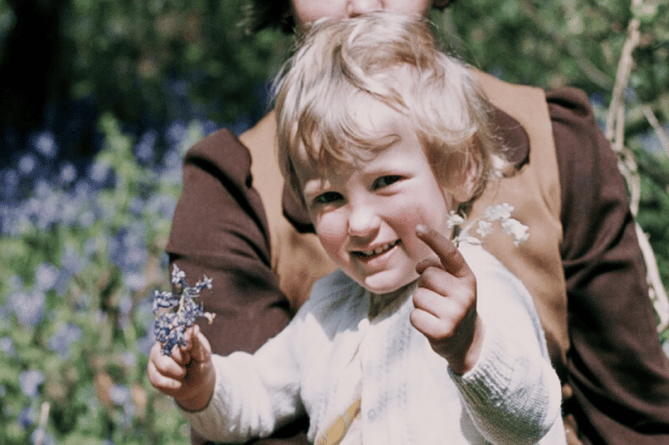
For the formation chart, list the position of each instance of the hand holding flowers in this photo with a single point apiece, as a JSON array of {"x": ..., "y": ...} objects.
[
  {"x": 180, "y": 362},
  {"x": 187, "y": 374}
]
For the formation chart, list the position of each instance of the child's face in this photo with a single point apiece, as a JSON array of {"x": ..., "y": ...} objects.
[
  {"x": 366, "y": 216},
  {"x": 306, "y": 11}
]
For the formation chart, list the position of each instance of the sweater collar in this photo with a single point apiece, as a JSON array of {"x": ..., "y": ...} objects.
[{"x": 384, "y": 304}]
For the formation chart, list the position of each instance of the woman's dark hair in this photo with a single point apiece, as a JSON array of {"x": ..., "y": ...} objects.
[{"x": 262, "y": 14}]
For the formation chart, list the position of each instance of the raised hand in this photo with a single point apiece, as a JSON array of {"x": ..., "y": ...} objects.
[
  {"x": 445, "y": 303},
  {"x": 188, "y": 375}
]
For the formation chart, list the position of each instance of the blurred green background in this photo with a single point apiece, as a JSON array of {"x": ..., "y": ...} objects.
[{"x": 100, "y": 99}]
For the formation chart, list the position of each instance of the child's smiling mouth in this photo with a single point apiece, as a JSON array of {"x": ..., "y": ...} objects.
[{"x": 366, "y": 254}]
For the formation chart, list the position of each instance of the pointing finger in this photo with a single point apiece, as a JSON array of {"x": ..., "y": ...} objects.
[{"x": 450, "y": 257}]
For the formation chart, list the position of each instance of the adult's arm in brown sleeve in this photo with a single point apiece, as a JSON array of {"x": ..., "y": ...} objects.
[
  {"x": 219, "y": 229},
  {"x": 618, "y": 371}
]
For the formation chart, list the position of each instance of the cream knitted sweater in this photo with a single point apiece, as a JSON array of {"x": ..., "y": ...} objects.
[{"x": 409, "y": 395}]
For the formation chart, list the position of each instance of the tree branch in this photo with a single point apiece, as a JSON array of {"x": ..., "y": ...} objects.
[
  {"x": 615, "y": 133},
  {"x": 657, "y": 127}
]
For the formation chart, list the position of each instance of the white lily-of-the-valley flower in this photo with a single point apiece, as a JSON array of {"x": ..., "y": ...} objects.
[{"x": 484, "y": 225}]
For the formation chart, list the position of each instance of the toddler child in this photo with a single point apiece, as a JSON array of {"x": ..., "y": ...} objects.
[{"x": 383, "y": 139}]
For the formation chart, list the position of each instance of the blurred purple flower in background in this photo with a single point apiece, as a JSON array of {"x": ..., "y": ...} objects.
[
  {"x": 100, "y": 173},
  {"x": 27, "y": 164},
  {"x": 128, "y": 249},
  {"x": 70, "y": 261},
  {"x": 38, "y": 437},
  {"x": 45, "y": 144},
  {"x": 145, "y": 148},
  {"x": 27, "y": 417},
  {"x": 61, "y": 341},
  {"x": 162, "y": 205},
  {"x": 68, "y": 173},
  {"x": 7, "y": 346},
  {"x": 30, "y": 382},
  {"x": 46, "y": 276},
  {"x": 10, "y": 183},
  {"x": 119, "y": 394},
  {"x": 28, "y": 307}
]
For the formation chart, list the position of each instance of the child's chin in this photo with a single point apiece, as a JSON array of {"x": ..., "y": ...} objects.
[{"x": 380, "y": 287}]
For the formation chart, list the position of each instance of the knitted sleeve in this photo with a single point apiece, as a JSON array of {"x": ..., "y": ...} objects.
[
  {"x": 255, "y": 394},
  {"x": 512, "y": 394}
]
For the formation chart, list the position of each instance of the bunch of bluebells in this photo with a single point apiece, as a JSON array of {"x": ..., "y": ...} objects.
[
  {"x": 484, "y": 225},
  {"x": 177, "y": 312}
]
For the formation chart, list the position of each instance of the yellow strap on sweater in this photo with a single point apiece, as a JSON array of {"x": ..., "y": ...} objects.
[{"x": 336, "y": 433}]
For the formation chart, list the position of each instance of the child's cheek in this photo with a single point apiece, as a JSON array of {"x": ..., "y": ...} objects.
[
  {"x": 407, "y": 217},
  {"x": 415, "y": 214},
  {"x": 331, "y": 234}
]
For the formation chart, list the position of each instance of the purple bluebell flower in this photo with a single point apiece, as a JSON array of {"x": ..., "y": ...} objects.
[
  {"x": 172, "y": 166},
  {"x": 28, "y": 307},
  {"x": 30, "y": 382},
  {"x": 27, "y": 417},
  {"x": 176, "y": 133},
  {"x": 170, "y": 325},
  {"x": 134, "y": 280},
  {"x": 7, "y": 346},
  {"x": 209, "y": 126},
  {"x": 179, "y": 277},
  {"x": 62, "y": 340},
  {"x": 45, "y": 144},
  {"x": 46, "y": 276},
  {"x": 40, "y": 437},
  {"x": 68, "y": 173},
  {"x": 119, "y": 394},
  {"x": 100, "y": 173},
  {"x": 10, "y": 184},
  {"x": 164, "y": 300},
  {"x": 163, "y": 205},
  {"x": 71, "y": 261},
  {"x": 27, "y": 164},
  {"x": 144, "y": 150}
]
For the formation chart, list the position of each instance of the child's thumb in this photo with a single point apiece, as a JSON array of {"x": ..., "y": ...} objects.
[{"x": 200, "y": 349}]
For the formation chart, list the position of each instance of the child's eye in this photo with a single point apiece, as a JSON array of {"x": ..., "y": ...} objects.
[
  {"x": 327, "y": 198},
  {"x": 385, "y": 181}
]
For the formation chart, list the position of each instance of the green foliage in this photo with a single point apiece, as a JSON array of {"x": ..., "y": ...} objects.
[
  {"x": 145, "y": 59},
  {"x": 76, "y": 319},
  {"x": 653, "y": 216},
  {"x": 550, "y": 43}
]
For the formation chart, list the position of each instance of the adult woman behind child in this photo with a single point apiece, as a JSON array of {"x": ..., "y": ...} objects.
[{"x": 243, "y": 233}]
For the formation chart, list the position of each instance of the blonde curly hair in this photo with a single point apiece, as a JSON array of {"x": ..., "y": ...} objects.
[{"x": 393, "y": 59}]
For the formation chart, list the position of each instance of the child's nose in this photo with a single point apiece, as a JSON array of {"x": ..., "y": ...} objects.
[
  {"x": 359, "y": 7},
  {"x": 362, "y": 221}
]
